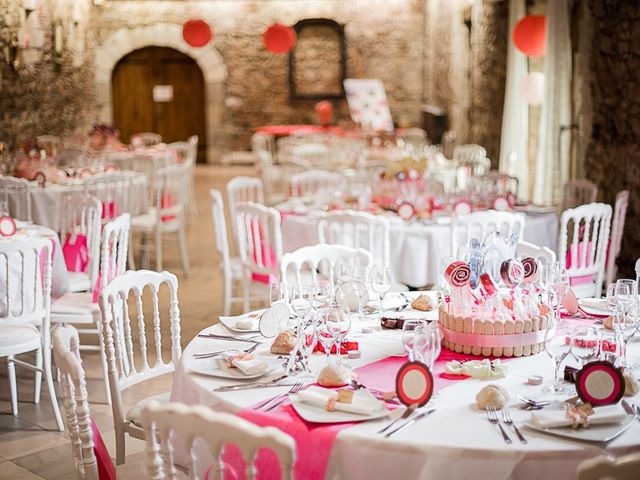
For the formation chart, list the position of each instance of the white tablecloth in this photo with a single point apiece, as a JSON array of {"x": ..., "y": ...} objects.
[
  {"x": 416, "y": 248},
  {"x": 455, "y": 442},
  {"x": 46, "y": 203}
]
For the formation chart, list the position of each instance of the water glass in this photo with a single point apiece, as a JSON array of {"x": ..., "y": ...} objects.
[
  {"x": 300, "y": 299},
  {"x": 586, "y": 344},
  {"x": 321, "y": 295},
  {"x": 381, "y": 282},
  {"x": 611, "y": 297},
  {"x": 409, "y": 335},
  {"x": 277, "y": 293},
  {"x": 558, "y": 343},
  {"x": 427, "y": 343}
]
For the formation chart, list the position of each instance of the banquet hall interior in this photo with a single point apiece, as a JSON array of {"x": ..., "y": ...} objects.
[{"x": 319, "y": 239}]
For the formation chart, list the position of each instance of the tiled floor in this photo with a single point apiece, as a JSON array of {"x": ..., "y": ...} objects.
[{"x": 30, "y": 446}]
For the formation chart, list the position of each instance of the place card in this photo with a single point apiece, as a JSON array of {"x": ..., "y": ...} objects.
[
  {"x": 600, "y": 383},
  {"x": 272, "y": 318},
  {"x": 414, "y": 384}
]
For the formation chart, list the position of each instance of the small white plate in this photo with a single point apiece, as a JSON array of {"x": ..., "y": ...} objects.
[
  {"x": 596, "y": 306},
  {"x": 595, "y": 433},
  {"x": 314, "y": 414},
  {"x": 217, "y": 367},
  {"x": 232, "y": 322}
]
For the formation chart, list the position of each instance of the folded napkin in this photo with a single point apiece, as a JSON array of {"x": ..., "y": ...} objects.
[
  {"x": 596, "y": 303},
  {"x": 248, "y": 367},
  {"x": 555, "y": 416},
  {"x": 319, "y": 397},
  {"x": 477, "y": 368}
]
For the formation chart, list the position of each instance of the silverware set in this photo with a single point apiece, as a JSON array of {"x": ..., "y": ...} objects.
[
  {"x": 276, "y": 401},
  {"x": 506, "y": 418},
  {"x": 631, "y": 409},
  {"x": 530, "y": 404},
  {"x": 492, "y": 416},
  {"x": 201, "y": 356},
  {"x": 411, "y": 421},
  {"x": 249, "y": 386},
  {"x": 410, "y": 409}
]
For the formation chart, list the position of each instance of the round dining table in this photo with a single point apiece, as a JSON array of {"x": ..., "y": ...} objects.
[
  {"x": 456, "y": 441},
  {"x": 417, "y": 248}
]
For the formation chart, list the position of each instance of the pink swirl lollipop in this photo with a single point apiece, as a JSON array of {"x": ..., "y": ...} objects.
[
  {"x": 531, "y": 272},
  {"x": 458, "y": 274},
  {"x": 512, "y": 272}
]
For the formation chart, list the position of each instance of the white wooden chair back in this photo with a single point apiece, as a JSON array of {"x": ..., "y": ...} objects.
[
  {"x": 263, "y": 142},
  {"x": 502, "y": 183},
  {"x": 317, "y": 182},
  {"x": 242, "y": 190},
  {"x": 479, "y": 224},
  {"x": 74, "y": 388},
  {"x": 584, "y": 236},
  {"x": 220, "y": 230},
  {"x": 193, "y": 146},
  {"x": 171, "y": 192},
  {"x": 182, "y": 150},
  {"x": 82, "y": 215},
  {"x": 164, "y": 423},
  {"x": 148, "y": 138},
  {"x": 607, "y": 468},
  {"x": 544, "y": 254},
  {"x": 320, "y": 257},
  {"x": 114, "y": 249},
  {"x": 617, "y": 231},
  {"x": 357, "y": 230},
  {"x": 259, "y": 237},
  {"x": 121, "y": 348},
  {"x": 112, "y": 189},
  {"x": 16, "y": 192},
  {"x": 474, "y": 156},
  {"x": 25, "y": 282},
  {"x": 578, "y": 192}
]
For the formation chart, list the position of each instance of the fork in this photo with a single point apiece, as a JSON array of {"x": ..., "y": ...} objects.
[
  {"x": 636, "y": 410},
  {"x": 229, "y": 337},
  {"x": 506, "y": 418},
  {"x": 220, "y": 352},
  {"x": 269, "y": 400},
  {"x": 492, "y": 416},
  {"x": 294, "y": 389},
  {"x": 410, "y": 409}
]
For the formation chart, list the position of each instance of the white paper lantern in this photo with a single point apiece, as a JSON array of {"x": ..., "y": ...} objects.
[{"x": 531, "y": 88}]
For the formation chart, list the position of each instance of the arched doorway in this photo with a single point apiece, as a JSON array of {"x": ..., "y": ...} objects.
[{"x": 162, "y": 90}]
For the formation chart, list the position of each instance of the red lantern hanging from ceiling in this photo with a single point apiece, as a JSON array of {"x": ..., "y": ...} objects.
[
  {"x": 530, "y": 34},
  {"x": 279, "y": 38},
  {"x": 196, "y": 33}
]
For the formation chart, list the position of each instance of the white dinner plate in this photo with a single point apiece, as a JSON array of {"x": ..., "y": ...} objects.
[
  {"x": 232, "y": 322},
  {"x": 595, "y": 433},
  {"x": 314, "y": 414},
  {"x": 217, "y": 367},
  {"x": 595, "y": 306}
]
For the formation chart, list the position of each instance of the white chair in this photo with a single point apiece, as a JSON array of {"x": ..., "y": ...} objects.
[
  {"x": 78, "y": 308},
  {"x": 544, "y": 254},
  {"x": 166, "y": 217},
  {"x": 25, "y": 300},
  {"x": 263, "y": 142},
  {"x": 166, "y": 423},
  {"x": 479, "y": 224},
  {"x": 259, "y": 243},
  {"x": 309, "y": 260},
  {"x": 584, "y": 235},
  {"x": 578, "y": 192},
  {"x": 617, "y": 231},
  {"x": 607, "y": 468},
  {"x": 16, "y": 192},
  {"x": 82, "y": 215},
  {"x": 242, "y": 190},
  {"x": 275, "y": 178},
  {"x": 501, "y": 183},
  {"x": 231, "y": 267},
  {"x": 121, "y": 350},
  {"x": 112, "y": 189},
  {"x": 317, "y": 182},
  {"x": 473, "y": 156},
  {"x": 148, "y": 138},
  {"x": 416, "y": 137}
]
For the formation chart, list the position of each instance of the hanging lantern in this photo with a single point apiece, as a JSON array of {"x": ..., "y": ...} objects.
[
  {"x": 197, "y": 33},
  {"x": 324, "y": 111},
  {"x": 529, "y": 35},
  {"x": 279, "y": 38},
  {"x": 531, "y": 88}
]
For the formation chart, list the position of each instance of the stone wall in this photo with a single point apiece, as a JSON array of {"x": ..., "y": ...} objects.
[{"x": 613, "y": 155}]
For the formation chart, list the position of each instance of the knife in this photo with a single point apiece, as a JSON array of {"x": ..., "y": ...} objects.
[
  {"x": 410, "y": 422},
  {"x": 248, "y": 386}
]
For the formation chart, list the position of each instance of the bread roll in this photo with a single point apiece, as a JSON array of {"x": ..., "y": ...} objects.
[
  {"x": 492, "y": 396},
  {"x": 284, "y": 343},
  {"x": 334, "y": 376}
]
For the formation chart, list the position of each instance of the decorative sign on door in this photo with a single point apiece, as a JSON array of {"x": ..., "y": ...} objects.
[{"x": 162, "y": 93}]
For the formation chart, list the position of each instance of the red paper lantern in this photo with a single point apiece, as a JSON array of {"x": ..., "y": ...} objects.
[
  {"x": 530, "y": 35},
  {"x": 279, "y": 38},
  {"x": 324, "y": 111},
  {"x": 196, "y": 33}
]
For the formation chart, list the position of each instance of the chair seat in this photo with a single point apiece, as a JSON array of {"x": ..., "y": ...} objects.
[
  {"x": 134, "y": 414},
  {"x": 79, "y": 282},
  {"x": 16, "y": 339},
  {"x": 148, "y": 221},
  {"x": 76, "y": 307}
]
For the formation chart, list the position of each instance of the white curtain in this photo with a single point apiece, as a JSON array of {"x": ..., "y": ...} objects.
[
  {"x": 514, "y": 158},
  {"x": 553, "y": 152}
]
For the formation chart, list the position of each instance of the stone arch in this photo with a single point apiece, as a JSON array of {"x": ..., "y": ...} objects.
[{"x": 126, "y": 40}]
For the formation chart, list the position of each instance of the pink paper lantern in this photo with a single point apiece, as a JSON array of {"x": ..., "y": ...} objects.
[
  {"x": 197, "y": 33},
  {"x": 531, "y": 88},
  {"x": 530, "y": 35},
  {"x": 279, "y": 38}
]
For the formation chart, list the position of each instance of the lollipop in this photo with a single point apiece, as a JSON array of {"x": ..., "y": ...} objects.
[
  {"x": 512, "y": 272},
  {"x": 458, "y": 274},
  {"x": 531, "y": 272}
]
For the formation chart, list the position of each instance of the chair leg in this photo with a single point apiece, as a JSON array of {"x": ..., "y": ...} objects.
[
  {"x": 38, "y": 377},
  {"x": 184, "y": 250},
  {"x": 105, "y": 368},
  {"x": 245, "y": 294},
  {"x": 228, "y": 282},
  {"x": 11, "y": 373},
  {"x": 120, "y": 445},
  {"x": 158, "y": 251},
  {"x": 52, "y": 391}
]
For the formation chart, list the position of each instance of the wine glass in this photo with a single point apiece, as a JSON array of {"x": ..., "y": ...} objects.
[
  {"x": 321, "y": 295},
  {"x": 427, "y": 344},
  {"x": 586, "y": 344},
  {"x": 409, "y": 335},
  {"x": 328, "y": 328},
  {"x": 352, "y": 295},
  {"x": 611, "y": 297},
  {"x": 338, "y": 325},
  {"x": 308, "y": 338},
  {"x": 624, "y": 323},
  {"x": 558, "y": 343},
  {"x": 276, "y": 293},
  {"x": 300, "y": 299},
  {"x": 381, "y": 282}
]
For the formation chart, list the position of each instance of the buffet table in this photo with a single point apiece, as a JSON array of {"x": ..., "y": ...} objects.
[
  {"x": 416, "y": 248},
  {"x": 456, "y": 441}
]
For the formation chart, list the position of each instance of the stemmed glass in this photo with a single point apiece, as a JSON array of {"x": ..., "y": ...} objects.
[
  {"x": 300, "y": 299},
  {"x": 427, "y": 344},
  {"x": 381, "y": 282},
  {"x": 558, "y": 343},
  {"x": 307, "y": 335},
  {"x": 337, "y": 323},
  {"x": 624, "y": 320},
  {"x": 611, "y": 297},
  {"x": 277, "y": 293},
  {"x": 586, "y": 344},
  {"x": 321, "y": 295},
  {"x": 409, "y": 335}
]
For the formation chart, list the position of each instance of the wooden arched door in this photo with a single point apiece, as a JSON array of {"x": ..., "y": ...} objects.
[{"x": 157, "y": 89}]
